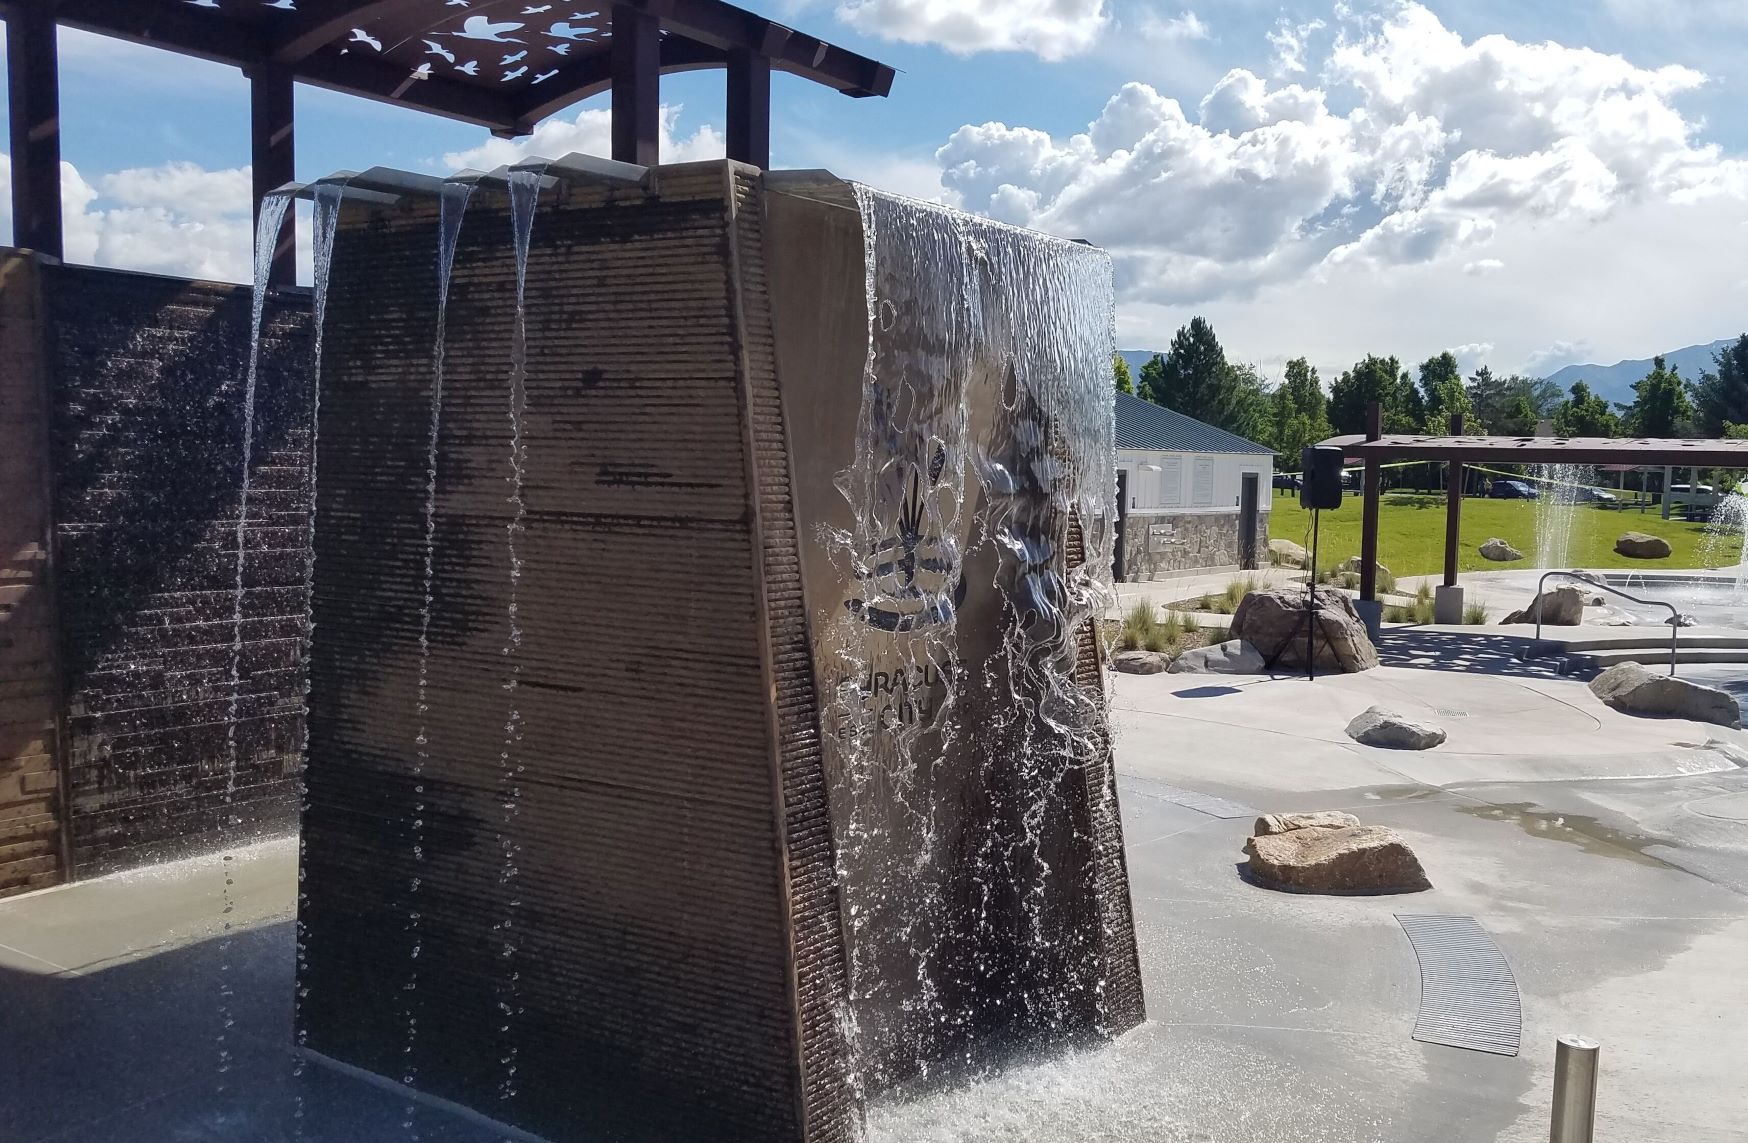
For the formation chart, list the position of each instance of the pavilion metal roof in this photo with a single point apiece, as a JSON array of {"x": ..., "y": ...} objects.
[
  {"x": 1148, "y": 427},
  {"x": 1654, "y": 451},
  {"x": 504, "y": 64}
]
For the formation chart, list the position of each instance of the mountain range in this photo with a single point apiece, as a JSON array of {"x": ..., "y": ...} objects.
[{"x": 1613, "y": 382}]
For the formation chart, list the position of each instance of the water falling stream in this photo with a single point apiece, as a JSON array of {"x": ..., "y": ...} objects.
[
  {"x": 328, "y": 198},
  {"x": 1559, "y": 487},
  {"x": 524, "y": 198},
  {"x": 453, "y": 204},
  {"x": 980, "y": 438},
  {"x": 267, "y": 228},
  {"x": 1726, "y": 539}
]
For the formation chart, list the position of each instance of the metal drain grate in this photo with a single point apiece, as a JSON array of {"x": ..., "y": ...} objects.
[
  {"x": 1189, "y": 799},
  {"x": 1468, "y": 996}
]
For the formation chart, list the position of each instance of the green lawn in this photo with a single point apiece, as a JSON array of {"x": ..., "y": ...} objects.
[{"x": 1411, "y": 533}]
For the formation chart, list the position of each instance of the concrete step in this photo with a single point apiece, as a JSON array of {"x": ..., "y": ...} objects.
[
  {"x": 1638, "y": 637},
  {"x": 1586, "y": 662}
]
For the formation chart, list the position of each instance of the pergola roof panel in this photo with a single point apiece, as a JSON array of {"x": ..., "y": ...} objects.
[
  {"x": 1681, "y": 451},
  {"x": 504, "y": 64}
]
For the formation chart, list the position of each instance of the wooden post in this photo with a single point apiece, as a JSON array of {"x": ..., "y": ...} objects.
[
  {"x": 34, "y": 91},
  {"x": 272, "y": 145},
  {"x": 1453, "y": 507},
  {"x": 637, "y": 70},
  {"x": 749, "y": 107},
  {"x": 1369, "y": 513}
]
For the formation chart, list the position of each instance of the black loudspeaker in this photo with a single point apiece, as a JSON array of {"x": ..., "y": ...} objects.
[{"x": 1321, "y": 484}]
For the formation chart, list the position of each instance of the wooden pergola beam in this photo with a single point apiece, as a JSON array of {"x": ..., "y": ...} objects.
[
  {"x": 273, "y": 158},
  {"x": 34, "y": 95},
  {"x": 635, "y": 53}
]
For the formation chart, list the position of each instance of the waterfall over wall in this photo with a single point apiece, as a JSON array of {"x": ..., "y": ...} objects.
[{"x": 808, "y": 783}]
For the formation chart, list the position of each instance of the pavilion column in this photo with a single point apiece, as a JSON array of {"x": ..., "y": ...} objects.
[
  {"x": 34, "y": 91},
  {"x": 272, "y": 120},
  {"x": 749, "y": 107},
  {"x": 1369, "y": 608},
  {"x": 1447, "y": 601},
  {"x": 636, "y": 65}
]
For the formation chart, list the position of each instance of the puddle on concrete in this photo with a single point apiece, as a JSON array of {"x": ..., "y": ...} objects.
[
  {"x": 1403, "y": 793},
  {"x": 1585, "y": 832}
]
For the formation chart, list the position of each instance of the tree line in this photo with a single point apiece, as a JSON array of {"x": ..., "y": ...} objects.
[{"x": 1195, "y": 377}]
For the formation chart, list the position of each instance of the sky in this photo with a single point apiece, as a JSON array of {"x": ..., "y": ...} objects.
[{"x": 1528, "y": 185}]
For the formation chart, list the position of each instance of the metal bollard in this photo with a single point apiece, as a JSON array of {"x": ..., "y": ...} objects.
[{"x": 1574, "y": 1091}]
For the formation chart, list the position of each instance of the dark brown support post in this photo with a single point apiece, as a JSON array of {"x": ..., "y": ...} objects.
[
  {"x": 1453, "y": 506},
  {"x": 637, "y": 71},
  {"x": 1369, "y": 513},
  {"x": 271, "y": 133},
  {"x": 34, "y": 91},
  {"x": 749, "y": 107}
]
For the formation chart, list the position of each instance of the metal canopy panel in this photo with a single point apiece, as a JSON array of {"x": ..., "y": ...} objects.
[
  {"x": 505, "y": 64},
  {"x": 1653, "y": 451}
]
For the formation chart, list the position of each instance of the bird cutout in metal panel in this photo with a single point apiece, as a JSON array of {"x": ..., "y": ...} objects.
[
  {"x": 432, "y": 48},
  {"x": 482, "y": 28},
  {"x": 517, "y": 74}
]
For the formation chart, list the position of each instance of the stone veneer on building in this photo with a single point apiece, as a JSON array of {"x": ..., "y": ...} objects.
[{"x": 1158, "y": 545}]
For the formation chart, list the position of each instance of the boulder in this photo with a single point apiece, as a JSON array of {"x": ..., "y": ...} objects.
[
  {"x": 1561, "y": 607},
  {"x": 1683, "y": 619},
  {"x": 1498, "y": 549},
  {"x": 1233, "y": 657},
  {"x": 1379, "y": 726},
  {"x": 1273, "y": 621},
  {"x": 1141, "y": 662},
  {"x": 1287, "y": 554},
  {"x": 1324, "y": 819},
  {"x": 1354, "y": 564},
  {"x": 1639, "y": 546},
  {"x": 1350, "y": 859},
  {"x": 1633, "y": 689}
]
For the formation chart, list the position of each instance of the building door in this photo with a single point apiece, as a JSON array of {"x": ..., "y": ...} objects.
[
  {"x": 1122, "y": 525},
  {"x": 1247, "y": 507}
]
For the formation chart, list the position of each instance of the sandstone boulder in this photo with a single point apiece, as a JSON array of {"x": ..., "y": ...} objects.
[
  {"x": 1233, "y": 657},
  {"x": 1498, "y": 549},
  {"x": 1141, "y": 662},
  {"x": 1639, "y": 546},
  {"x": 1287, "y": 554},
  {"x": 1324, "y": 819},
  {"x": 1354, "y": 564},
  {"x": 1634, "y": 689},
  {"x": 1349, "y": 859},
  {"x": 1273, "y": 621},
  {"x": 1561, "y": 607},
  {"x": 1379, "y": 726}
]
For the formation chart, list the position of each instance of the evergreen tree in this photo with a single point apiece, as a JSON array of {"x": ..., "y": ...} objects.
[
  {"x": 1721, "y": 398},
  {"x": 1585, "y": 414},
  {"x": 1152, "y": 383},
  {"x": 1120, "y": 369},
  {"x": 1510, "y": 406},
  {"x": 1660, "y": 405},
  {"x": 1194, "y": 378}
]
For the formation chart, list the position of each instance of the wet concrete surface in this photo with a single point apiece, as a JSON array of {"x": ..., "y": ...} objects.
[{"x": 1610, "y": 865}]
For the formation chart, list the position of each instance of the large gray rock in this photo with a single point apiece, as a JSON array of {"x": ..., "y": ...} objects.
[
  {"x": 1379, "y": 726},
  {"x": 1233, "y": 657},
  {"x": 1141, "y": 662},
  {"x": 1561, "y": 607},
  {"x": 1287, "y": 554},
  {"x": 1497, "y": 549},
  {"x": 1639, "y": 546},
  {"x": 1633, "y": 689},
  {"x": 1324, "y": 819},
  {"x": 1350, "y": 859},
  {"x": 1273, "y": 621},
  {"x": 1354, "y": 565}
]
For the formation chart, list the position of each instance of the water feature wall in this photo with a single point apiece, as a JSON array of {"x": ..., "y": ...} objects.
[
  {"x": 576, "y": 853},
  {"x": 121, "y": 575}
]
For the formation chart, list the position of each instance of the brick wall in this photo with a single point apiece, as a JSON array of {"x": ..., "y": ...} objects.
[
  {"x": 30, "y": 832},
  {"x": 146, "y": 378}
]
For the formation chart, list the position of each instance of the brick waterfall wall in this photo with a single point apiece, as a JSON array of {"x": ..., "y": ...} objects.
[
  {"x": 145, "y": 379},
  {"x": 647, "y": 851},
  {"x": 30, "y": 801}
]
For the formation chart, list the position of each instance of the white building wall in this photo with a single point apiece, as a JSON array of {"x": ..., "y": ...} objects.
[{"x": 1174, "y": 486}]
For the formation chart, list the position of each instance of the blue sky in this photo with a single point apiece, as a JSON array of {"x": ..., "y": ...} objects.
[{"x": 1526, "y": 183}]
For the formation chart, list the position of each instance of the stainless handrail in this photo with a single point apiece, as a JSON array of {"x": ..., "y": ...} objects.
[{"x": 1674, "y": 615}]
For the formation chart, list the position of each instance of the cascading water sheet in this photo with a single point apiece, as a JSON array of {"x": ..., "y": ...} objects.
[{"x": 985, "y": 430}]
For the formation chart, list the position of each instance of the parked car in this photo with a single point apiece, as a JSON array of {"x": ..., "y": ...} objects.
[
  {"x": 1514, "y": 490},
  {"x": 1287, "y": 480},
  {"x": 1581, "y": 494}
]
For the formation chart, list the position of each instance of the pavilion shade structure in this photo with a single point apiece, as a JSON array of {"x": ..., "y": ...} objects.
[{"x": 504, "y": 64}]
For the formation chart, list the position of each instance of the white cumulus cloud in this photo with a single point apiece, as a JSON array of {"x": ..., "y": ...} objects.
[
  {"x": 1051, "y": 29},
  {"x": 589, "y": 132}
]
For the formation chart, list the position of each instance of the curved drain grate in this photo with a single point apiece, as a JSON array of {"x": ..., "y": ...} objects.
[{"x": 1468, "y": 996}]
